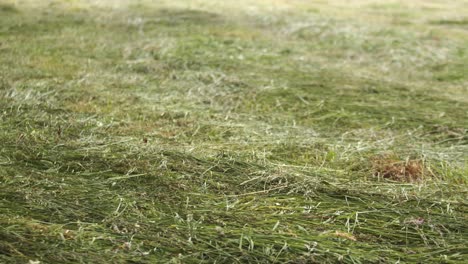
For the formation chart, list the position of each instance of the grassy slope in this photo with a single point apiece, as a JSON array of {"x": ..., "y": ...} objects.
[{"x": 232, "y": 131}]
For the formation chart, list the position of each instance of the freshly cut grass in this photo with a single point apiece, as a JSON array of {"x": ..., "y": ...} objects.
[{"x": 233, "y": 131}]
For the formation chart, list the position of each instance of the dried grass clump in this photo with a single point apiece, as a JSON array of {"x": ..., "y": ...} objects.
[{"x": 390, "y": 167}]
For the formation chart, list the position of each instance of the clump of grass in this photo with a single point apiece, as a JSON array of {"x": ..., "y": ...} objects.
[
  {"x": 8, "y": 8},
  {"x": 457, "y": 22},
  {"x": 409, "y": 170}
]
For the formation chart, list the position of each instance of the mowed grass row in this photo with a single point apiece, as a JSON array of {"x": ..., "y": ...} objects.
[{"x": 235, "y": 131}]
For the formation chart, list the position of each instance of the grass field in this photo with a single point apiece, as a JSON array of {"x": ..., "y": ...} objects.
[{"x": 248, "y": 131}]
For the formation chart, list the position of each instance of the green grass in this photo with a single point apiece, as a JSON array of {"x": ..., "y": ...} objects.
[{"x": 233, "y": 131}]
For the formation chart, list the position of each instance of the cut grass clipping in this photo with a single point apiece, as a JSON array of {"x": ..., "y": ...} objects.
[{"x": 233, "y": 131}]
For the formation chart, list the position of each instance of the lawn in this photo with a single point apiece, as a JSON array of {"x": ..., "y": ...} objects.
[{"x": 248, "y": 131}]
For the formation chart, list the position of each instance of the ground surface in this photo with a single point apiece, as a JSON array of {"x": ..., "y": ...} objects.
[{"x": 233, "y": 131}]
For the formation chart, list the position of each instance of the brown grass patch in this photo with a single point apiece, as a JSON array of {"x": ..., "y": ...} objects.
[{"x": 389, "y": 167}]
